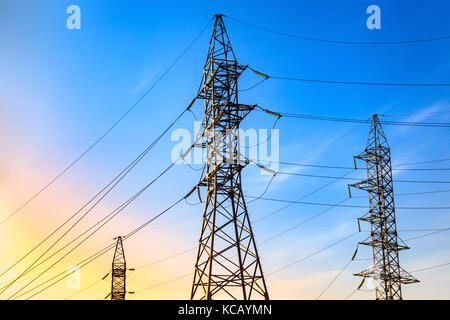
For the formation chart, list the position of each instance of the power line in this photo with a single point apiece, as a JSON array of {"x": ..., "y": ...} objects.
[
  {"x": 302, "y": 197},
  {"x": 106, "y": 190},
  {"x": 334, "y": 279},
  {"x": 432, "y": 267},
  {"x": 345, "y": 205},
  {"x": 116, "y": 211},
  {"x": 109, "y": 218},
  {"x": 312, "y": 254},
  {"x": 428, "y": 234},
  {"x": 424, "y": 162},
  {"x": 165, "y": 282},
  {"x": 352, "y": 168},
  {"x": 166, "y": 258},
  {"x": 85, "y": 288},
  {"x": 107, "y": 131},
  {"x": 363, "y": 83},
  {"x": 361, "y": 121},
  {"x": 356, "y": 179},
  {"x": 290, "y": 35},
  {"x": 275, "y": 271},
  {"x": 302, "y": 222},
  {"x": 98, "y": 254}
]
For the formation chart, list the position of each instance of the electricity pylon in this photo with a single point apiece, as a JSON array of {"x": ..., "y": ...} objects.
[
  {"x": 119, "y": 270},
  {"x": 386, "y": 271},
  {"x": 227, "y": 257}
]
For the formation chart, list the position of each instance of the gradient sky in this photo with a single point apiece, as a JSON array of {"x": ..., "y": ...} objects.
[{"x": 61, "y": 89}]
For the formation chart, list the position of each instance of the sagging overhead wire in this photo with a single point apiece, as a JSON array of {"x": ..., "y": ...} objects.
[
  {"x": 112, "y": 215},
  {"x": 301, "y": 198},
  {"x": 86, "y": 288},
  {"x": 361, "y": 121},
  {"x": 102, "y": 223},
  {"x": 428, "y": 234},
  {"x": 395, "y": 84},
  {"x": 64, "y": 274},
  {"x": 356, "y": 179},
  {"x": 123, "y": 116},
  {"x": 295, "y": 36},
  {"x": 312, "y": 254},
  {"x": 95, "y": 200},
  {"x": 349, "y": 168},
  {"x": 345, "y": 205},
  {"x": 431, "y": 267}
]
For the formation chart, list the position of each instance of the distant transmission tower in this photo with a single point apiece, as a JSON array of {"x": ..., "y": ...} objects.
[
  {"x": 118, "y": 274},
  {"x": 227, "y": 257},
  {"x": 386, "y": 270}
]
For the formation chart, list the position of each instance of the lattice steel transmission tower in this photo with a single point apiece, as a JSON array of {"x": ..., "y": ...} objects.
[
  {"x": 119, "y": 270},
  {"x": 386, "y": 270},
  {"x": 227, "y": 257}
]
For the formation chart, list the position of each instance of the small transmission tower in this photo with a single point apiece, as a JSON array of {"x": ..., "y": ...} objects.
[
  {"x": 118, "y": 274},
  {"x": 227, "y": 257},
  {"x": 386, "y": 270}
]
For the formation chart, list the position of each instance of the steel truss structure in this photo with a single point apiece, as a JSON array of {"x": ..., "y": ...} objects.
[
  {"x": 386, "y": 270},
  {"x": 227, "y": 257},
  {"x": 118, "y": 274}
]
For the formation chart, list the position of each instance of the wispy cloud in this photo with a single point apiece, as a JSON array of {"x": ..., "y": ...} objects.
[{"x": 145, "y": 80}]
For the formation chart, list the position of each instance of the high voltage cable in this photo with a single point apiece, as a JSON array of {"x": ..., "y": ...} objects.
[
  {"x": 334, "y": 279},
  {"x": 290, "y": 35},
  {"x": 165, "y": 259},
  {"x": 270, "y": 273},
  {"x": 348, "y": 168},
  {"x": 428, "y": 234},
  {"x": 267, "y": 240},
  {"x": 363, "y": 83},
  {"x": 108, "y": 130},
  {"x": 302, "y": 197},
  {"x": 362, "y": 121},
  {"x": 424, "y": 162},
  {"x": 66, "y": 274},
  {"x": 109, "y": 218},
  {"x": 312, "y": 254},
  {"x": 302, "y": 222},
  {"x": 432, "y": 267},
  {"x": 412, "y": 193},
  {"x": 356, "y": 179},
  {"x": 98, "y": 254},
  {"x": 267, "y": 76},
  {"x": 165, "y": 282},
  {"x": 345, "y": 205},
  {"x": 86, "y": 288},
  {"x": 110, "y": 185},
  {"x": 116, "y": 211}
]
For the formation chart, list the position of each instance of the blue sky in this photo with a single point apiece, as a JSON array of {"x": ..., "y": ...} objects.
[{"x": 60, "y": 89}]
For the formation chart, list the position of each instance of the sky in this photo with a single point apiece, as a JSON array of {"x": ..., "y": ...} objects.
[{"x": 61, "y": 89}]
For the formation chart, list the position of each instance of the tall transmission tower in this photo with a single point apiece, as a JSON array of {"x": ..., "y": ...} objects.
[
  {"x": 119, "y": 270},
  {"x": 386, "y": 271},
  {"x": 227, "y": 257}
]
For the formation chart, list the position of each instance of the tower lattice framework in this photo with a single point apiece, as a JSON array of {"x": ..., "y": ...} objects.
[
  {"x": 386, "y": 271},
  {"x": 227, "y": 260},
  {"x": 118, "y": 274}
]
